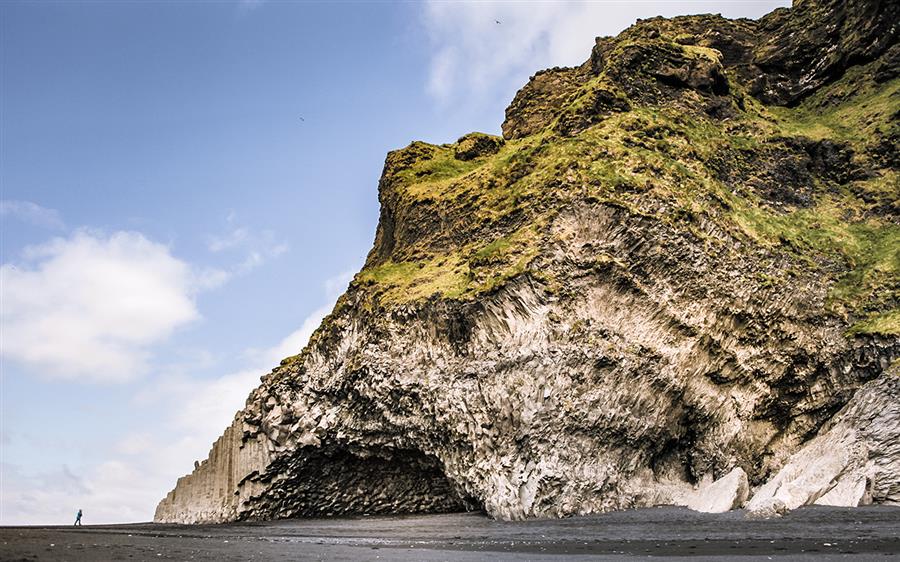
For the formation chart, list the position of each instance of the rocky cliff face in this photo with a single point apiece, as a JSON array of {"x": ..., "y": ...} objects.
[
  {"x": 854, "y": 460},
  {"x": 680, "y": 261}
]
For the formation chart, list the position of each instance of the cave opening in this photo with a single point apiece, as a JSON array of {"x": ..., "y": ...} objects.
[{"x": 332, "y": 481}]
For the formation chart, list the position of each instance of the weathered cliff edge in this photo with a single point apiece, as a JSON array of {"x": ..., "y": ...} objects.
[{"x": 674, "y": 279}]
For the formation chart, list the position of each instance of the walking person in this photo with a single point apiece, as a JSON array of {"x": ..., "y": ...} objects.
[{"x": 78, "y": 518}]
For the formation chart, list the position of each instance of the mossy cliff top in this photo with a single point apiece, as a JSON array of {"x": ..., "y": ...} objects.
[{"x": 782, "y": 135}]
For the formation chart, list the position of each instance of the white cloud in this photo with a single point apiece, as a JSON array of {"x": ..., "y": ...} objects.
[
  {"x": 189, "y": 415},
  {"x": 120, "y": 490},
  {"x": 295, "y": 341},
  {"x": 208, "y": 278},
  {"x": 228, "y": 240},
  {"x": 335, "y": 286},
  {"x": 442, "y": 76},
  {"x": 206, "y": 407},
  {"x": 257, "y": 258},
  {"x": 89, "y": 306},
  {"x": 32, "y": 213},
  {"x": 258, "y": 247},
  {"x": 474, "y": 58},
  {"x": 29, "y": 497}
]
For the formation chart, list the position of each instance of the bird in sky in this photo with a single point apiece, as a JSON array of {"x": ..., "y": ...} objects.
[
  {"x": 302, "y": 119},
  {"x": 497, "y": 22}
]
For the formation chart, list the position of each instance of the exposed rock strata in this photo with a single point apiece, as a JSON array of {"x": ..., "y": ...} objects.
[{"x": 654, "y": 281}]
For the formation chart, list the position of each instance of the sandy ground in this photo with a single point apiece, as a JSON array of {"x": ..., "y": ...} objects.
[{"x": 817, "y": 533}]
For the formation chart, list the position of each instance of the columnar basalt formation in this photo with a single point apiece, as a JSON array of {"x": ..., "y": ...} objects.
[{"x": 680, "y": 262}]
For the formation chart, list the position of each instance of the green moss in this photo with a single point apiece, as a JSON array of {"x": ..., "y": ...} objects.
[
  {"x": 767, "y": 280},
  {"x": 885, "y": 324},
  {"x": 702, "y": 52},
  {"x": 884, "y": 188},
  {"x": 408, "y": 281},
  {"x": 505, "y": 258},
  {"x": 809, "y": 231},
  {"x": 864, "y": 109},
  {"x": 597, "y": 88},
  {"x": 874, "y": 276},
  {"x": 477, "y": 145},
  {"x": 868, "y": 249},
  {"x": 461, "y": 274},
  {"x": 493, "y": 250},
  {"x": 660, "y": 162},
  {"x": 429, "y": 178}
]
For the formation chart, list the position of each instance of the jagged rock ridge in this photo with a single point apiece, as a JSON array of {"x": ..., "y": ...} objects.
[{"x": 679, "y": 263}]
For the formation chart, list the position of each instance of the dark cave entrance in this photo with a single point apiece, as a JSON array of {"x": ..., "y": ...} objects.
[{"x": 328, "y": 482}]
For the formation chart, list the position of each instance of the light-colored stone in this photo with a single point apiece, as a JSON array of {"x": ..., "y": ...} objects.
[
  {"x": 727, "y": 493},
  {"x": 850, "y": 491},
  {"x": 853, "y": 461}
]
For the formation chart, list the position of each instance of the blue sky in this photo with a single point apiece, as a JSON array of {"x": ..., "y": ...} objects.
[{"x": 188, "y": 187}]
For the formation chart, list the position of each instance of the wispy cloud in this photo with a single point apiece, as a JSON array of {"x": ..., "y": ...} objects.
[
  {"x": 257, "y": 247},
  {"x": 228, "y": 240},
  {"x": 210, "y": 404},
  {"x": 32, "y": 213},
  {"x": 207, "y": 278},
  {"x": 244, "y": 7},
  {"x": 106, "y": 492},
  {"x": 294, "y": 342},
  {"x": 257, "y": 258},
  {"x": 335, "y": 286}
]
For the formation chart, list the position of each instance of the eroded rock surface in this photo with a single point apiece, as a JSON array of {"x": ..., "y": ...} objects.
[
  {"x": 855, "y": 459},
  {"x": 657, "y": 288}
]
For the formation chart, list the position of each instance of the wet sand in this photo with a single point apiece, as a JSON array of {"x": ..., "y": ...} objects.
[{"x": 816, "y": 533}]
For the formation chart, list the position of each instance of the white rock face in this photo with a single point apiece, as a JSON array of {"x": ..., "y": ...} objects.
[
  {"x": 727, "y": 493},
  {"x": 849, "y": 491},
  {"x": 854, "y": 460}
]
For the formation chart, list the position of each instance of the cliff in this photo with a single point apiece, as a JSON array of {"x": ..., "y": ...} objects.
[{"x": 665, "y": 283}]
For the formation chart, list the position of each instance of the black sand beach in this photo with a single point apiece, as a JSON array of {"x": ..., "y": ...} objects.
[{"x": 816, "y": 533}]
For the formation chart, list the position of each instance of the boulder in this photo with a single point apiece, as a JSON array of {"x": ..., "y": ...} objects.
[
  {"x": 727, "y": 493},
  {"x": 853, "y": 461}
]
